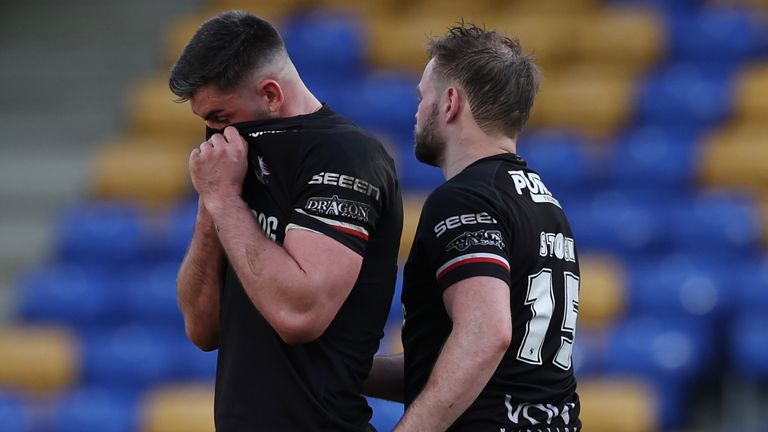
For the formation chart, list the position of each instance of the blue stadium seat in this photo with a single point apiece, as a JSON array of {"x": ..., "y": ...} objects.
[
  {"x": 75, "y": 294},
  {"x": 384, "y": 102},
  {"x": 96, "y": 409},
  {"x": 180, "y": 225},
  {"x": 721, "y": 222},
  {"x": 684, "y": 95},
  {"x": 418, "y": 176},
  {"x": 559, "y": 157},
  {"x": 654, "y": 157},
  {"x": 681, "y": 285},
  {"x": 670, "y": 7},
  {"x": 670, "y": 352},
  {"x": 13, "y": 416},
  {"x": 749, "y": 346},
  {"x": 715, "y": 36},
  {"x": 100, "y": 232},
  {"x": 325, "y": 46},
  {"x": 129, "y": 356},
  {"x": 752, "y": 286},
  {"x": 386, "y": 414},
  {"x": 618, "y": 221},
  {"x": 150, "y": 294}
]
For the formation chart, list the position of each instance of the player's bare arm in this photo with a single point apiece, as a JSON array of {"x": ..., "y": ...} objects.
[
  {"x": 386, "y": 379},
  {"x": 482, "y": 331},
  {"x": 298, "y": 287},
  {"x": 198, "y": 284}
]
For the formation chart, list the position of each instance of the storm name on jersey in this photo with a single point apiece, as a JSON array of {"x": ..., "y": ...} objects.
[
  {"x": 465, "y": 219},
  {"x": 338, "y": 207},
  {"x": 532, "y": 182},
  {"x": 347, "y": 182},
  {"x": 562, "y": 247}
]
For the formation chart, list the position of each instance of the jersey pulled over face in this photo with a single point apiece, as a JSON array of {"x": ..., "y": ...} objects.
[
  {"x": 497, "y": 218},
  {"x": 317, "y": 172}
]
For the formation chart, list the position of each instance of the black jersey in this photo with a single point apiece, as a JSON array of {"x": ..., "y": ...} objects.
[
  {"x": 316, "y": 172},
  {"x": 496, "y": 218}
]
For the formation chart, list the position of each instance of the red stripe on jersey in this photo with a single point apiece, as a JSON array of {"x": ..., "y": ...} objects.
[
  {"x": 349, "y": 231},
  {"x": 470, "y": 261}
]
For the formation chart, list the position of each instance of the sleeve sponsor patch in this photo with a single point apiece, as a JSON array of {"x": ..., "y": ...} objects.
[
  {"x": 335, "y": 206},
  {"x": 476, "y": 238}
]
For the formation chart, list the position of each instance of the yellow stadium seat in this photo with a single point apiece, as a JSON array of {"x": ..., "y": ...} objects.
[
  {"x": 619, "y": 38},
  {"x": 590, "y": 100},
  {"x": 751, "y": 91},
  {"x": 616, "y": 404},
  {"x": 154, "y": 113},
  {"x": 736, "y": 156},
  {"x": 269, "y": 10},
  {"x": 764, "y": 218},
  {"x": 179, "y": 408},
  {"x": 38, "y": 360},
  {"x": 602, "y": 291},
  {"x": 153, "y": 175},
  {"x": 412, "y": 205},
  {"x": 565, "y": 7},
  {"x": 400, "y": 42}
]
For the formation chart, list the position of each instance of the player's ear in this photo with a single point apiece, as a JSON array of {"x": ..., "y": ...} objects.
[
  {"x": 452, "y": 106},
  {"x": 272, "y": 94}
]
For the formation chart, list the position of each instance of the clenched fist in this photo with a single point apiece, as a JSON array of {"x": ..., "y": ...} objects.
[{"x": 218, "y": 167}]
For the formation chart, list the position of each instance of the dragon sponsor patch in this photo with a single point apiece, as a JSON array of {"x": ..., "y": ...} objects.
[
  {"x": 335, "y": 206},
  {"x": 476, "y": 238}
]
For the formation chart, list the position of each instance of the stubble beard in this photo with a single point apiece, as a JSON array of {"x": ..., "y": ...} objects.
[{"x": 429, "y": 146}]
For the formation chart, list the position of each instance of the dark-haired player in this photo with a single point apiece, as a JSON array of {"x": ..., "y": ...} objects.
[
  {"x": 291, "y": 268},
  {"x": 491, "y": 286}
]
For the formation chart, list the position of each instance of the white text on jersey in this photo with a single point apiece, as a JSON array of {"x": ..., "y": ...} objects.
[
  {"x": 347, "y": 182},
  {"x": 465, "y": 219},
  {"x": 532, "y": 182},
  {"x": 560, "y": 246}
]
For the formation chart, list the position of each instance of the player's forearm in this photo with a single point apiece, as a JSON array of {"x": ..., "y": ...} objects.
[
  {"x": 198, "y": 284},
  {"x": 282, "y": 291},
  {"x": 462, "y": 370},
  {"x": 386, "y": 378}
]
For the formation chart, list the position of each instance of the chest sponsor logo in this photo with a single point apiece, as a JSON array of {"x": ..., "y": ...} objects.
[
  {"x": 336, "y": 206},
  {"x": 465, "y": 219},
  {"x": 532, "y": 183},
  {"x": 476, "y": 238},
  {"x": 557, "y": 245},
  {"x": 347, "y": 182}
]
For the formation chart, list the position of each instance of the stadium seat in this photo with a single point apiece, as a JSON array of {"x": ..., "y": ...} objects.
[
  {"x": 180, "y": 224},
  {"x": 325, "y": 44},
  {"x": 37, "y": 359},
  {"x": 151, "y": 175},
  {"x": 653, "y": 157},
  {"x": 603, "y": 291},
  {"x": 733, "y": 34},
  {"x": 98, "y": 232},
  {"x": 566, "y": 7},
  {"x": 412, "y": 205},
  {"x": 154, "y": 112},
  {"x": 751, "y": 86},
  {"x": 681, "y": 285},
  {"x": 684, "y": 95},
  {"x": 178, "y": 408},
  {"x": 386, "y": 414},
  {"x": 130, "y": 356},
  {"x": 725, "y": 221},
  {"x": 418, "y": 177},
  {"x": 751, "y": 285},
  {"x": 630, "y": 40},
  {"x": 735, "y": 156},
  {"x": 561, "y": 158},
  {"x": 618, "y": 404},
  {"x": 95, "y": 409},
  {"x": 82, "y": 295},
  {"x": 669, "y": 7},
  {"x": 150, "y": 294},
  {"x": 13, "y": 415},
  {"x": 562, "y": 101},
  {"x": 749, "y": 346}
]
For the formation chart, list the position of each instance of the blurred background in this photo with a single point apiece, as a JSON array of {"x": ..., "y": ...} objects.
[{"x": 651, "y": 128}]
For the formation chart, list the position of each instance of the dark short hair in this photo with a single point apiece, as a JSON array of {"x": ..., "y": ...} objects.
[
  {"x": 500, "y": 80},
  {"x": 223, "y": 51}
]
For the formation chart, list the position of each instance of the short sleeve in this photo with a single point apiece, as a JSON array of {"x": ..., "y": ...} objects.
[
  {"x": 464, "y": 238},
  {"x": 338, "y": 197}
]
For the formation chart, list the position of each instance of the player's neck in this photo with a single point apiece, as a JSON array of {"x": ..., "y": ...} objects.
[
  {"x": 471, "y": 147},
  {"x": 298, "y": 100}
]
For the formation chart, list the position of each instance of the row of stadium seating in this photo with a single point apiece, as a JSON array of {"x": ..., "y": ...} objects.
[{"x": 623, "y": 132}]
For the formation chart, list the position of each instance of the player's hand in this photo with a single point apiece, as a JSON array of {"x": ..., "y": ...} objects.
[{"x": 218, "y": 167}]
